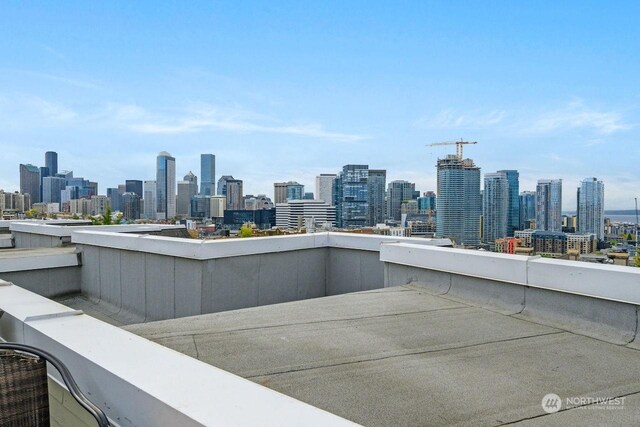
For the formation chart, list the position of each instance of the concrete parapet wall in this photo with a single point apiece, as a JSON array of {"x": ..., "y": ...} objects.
[{"x": 593, "y": 300}]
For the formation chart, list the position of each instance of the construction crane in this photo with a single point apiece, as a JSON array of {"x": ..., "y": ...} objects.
[{"x": 459, "y": 145}]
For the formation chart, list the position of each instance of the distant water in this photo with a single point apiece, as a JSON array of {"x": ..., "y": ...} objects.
[{"x": 621, "y": 218}]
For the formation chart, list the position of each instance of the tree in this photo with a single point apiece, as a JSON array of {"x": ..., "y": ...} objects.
[
  {"x": 637, "y": 260},
  {"x": 245, "y": 231}
]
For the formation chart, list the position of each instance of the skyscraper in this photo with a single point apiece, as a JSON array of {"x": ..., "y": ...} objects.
[
  {"x": 427, "y": 202},
  {"x": 397, "y": 192},
  {"x": 351, "y": 195},
  {"x": 186, "y": 190},
  {"x": 165, "y": 186},
  {"x": 133, "y": 186},
  {"x": 459, "y": 200},
  {"x": 279, "y": 192},
  {"x": 51, "y": 162},
  {"x": 150, "y": 204},
  {"x": 30, "y": 182},
  {"x": 514, "y": 201},
  {"x": 51, "y": 189},
  {"x": 591, "y": 207},
  {"x": 235, "y": 198},
  {"x": 207, "y": 174},
  {"x": 495, "y": 206},
  {"x": 295, "y": 191},
  {"x": 324, "y": 187},
  {"x": 130, "y": 206},
  {"x": 222, "y": 184},
  {"x": 377, "y": 182},
  {"x": 549, "y": 205},
  {"x": 527, "y": 208}
]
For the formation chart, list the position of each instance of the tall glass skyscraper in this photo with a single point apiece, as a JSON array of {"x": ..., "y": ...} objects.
[
  {"x": 527, "y": 208},
  {"x": 295, "y": 191},
  {"x": 351, "y": 195},
  {"x": 165, "y": 186},
  {"x": 495, "y": 207},
  {"x": 427, "y": 202},
  {"x": 549, "y": 205},
  {"x": 513, "y": 221},
  {"x": 30, "y": 182},
  {"x": 397, "y": 192},
  {"x": 591, "y": 207},
  {"x": 377, "y": 182},
  {"x": 52, "y": 187},
  {"x": 207, "y": 174},
  {"x": 51, "y": 162},
  {"x": 459, "y": 201}
]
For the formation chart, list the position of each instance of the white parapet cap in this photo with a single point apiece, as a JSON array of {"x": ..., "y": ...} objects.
[
  {"x": 38, "y": 259},
  {"x": 48, "y": 229},
  {"x": 139, "y": 382},
  {"x": 223, "y": 248},
  {"x": 610, "y": 282}
]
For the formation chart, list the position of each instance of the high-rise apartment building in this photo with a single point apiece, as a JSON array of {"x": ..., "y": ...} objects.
[
  {"x": 30, "y": 182},
  {"x": 495, "y": 207},
  {"x": 459, "y": 203},
  {"x": 187, "y": 188},
  {"x": 324, "y": 187},
  {"x": 51, "y": 162},
  {"x": 527, "y": 208},
  {"x": 351, "y": 195},
  {"x": 513, "y": 222},
  {"x": 207, "y": 174},
  {"x": 591, "y": 207},
  {"x": 51, "y": 189},
  {"x": 99, "y": 205},
  {"x": 165, "y": 186},
  {"x": 377, "y": 182},
  {"x": 235, "y": 199},
  {"x": 549, "y": 205},
  {"x": 397, "y": 192}
]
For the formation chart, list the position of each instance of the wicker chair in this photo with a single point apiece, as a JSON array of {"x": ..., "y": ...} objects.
[{"x": 24, "y": 394}]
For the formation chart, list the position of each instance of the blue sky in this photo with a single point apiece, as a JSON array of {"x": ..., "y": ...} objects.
[{"x": 288, "y": 90}]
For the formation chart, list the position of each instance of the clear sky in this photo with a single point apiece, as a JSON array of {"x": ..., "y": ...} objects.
[{"x": 288, "y": 90}]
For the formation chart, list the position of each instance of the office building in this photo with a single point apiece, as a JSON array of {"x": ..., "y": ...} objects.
[
  {"x": 217, "y": 206},
  {"x": 549, "y": 205},
  {"x": 187, "y": 188},
  {"x": 115, "y": 198},
  {"x": 261, "y": 201},
  {"x": 513, "y": 220},
  {"x": 234, "y": 194},
  {"x": 222, "y": 184},
  {"x": 397, "y": 192},
  {"x": 308, "y": 196},
  {"x": 279, "y": 192},
  {"x": 30, "y": 182},
  {"x": 165, "y": 186},
  {"x": 207, "y": 174},
  {"x": 495, "y": 207},
  {"x": 263, "y": 219},
  {"x": 591, "y": 207},
  {"x": 351, "y": 195},
  {"x": 99, "y": 205},
  {"x": 295, "y": 214},
  {"x": 51, "y": 162},
  {"x": 134, "y": 186},
  {"x": 131, "y": 206},
  {"x": 459, "y": 202},
  {"x": 527, "y": 209},
  {"x": 377, "y": 183},
  {"x": 324, "y": 187},
  {"x": 295, "y": 191},
  {"x": 51, "y": 189},
  {"x": 149, "y": 198},
  {"x": 427, "y": 203}
]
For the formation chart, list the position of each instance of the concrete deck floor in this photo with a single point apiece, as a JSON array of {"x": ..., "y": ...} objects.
[{"x": 403, "y": 357}]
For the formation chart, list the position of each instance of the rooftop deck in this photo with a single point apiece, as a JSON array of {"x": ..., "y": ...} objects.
[{"x": 403, "y": 356}]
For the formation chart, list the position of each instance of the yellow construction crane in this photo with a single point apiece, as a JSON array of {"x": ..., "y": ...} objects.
[{"x": 459, "y": 145}]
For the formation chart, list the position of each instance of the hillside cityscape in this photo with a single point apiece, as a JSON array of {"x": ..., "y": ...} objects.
[{"x": 489, "y": 212}]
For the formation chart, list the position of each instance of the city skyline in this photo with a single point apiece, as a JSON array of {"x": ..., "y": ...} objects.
[{"x": 253, "y": 83}]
